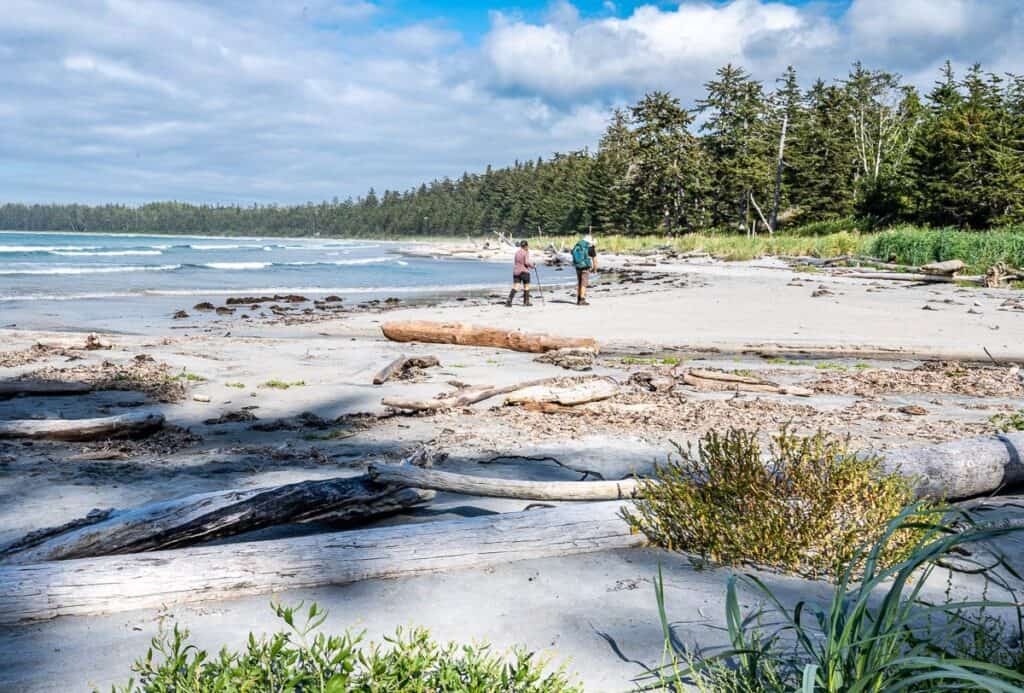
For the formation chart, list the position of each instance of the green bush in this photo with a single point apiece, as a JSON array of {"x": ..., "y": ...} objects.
[
  {"x": 303, "y": 660},
  {"x": 807, "y": 507},
  {"x": 911, "y": 245},
  {"x": 876, "y": 633}
]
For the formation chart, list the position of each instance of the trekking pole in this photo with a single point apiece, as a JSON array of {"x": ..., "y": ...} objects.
[{"x": 540, "y": 292}]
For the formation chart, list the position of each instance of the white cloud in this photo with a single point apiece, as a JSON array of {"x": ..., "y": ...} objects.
[{"x": 277, "y": 101}]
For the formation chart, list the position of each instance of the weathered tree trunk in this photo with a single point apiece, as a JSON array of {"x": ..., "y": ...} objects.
[
  {"x": 417, "y": 477},
  {"x": 122, "y": 426},
  {"x": 947, "y": 267},
  {"x": 912, "y": 277},
  {"x": 474, "y": 335},
  {"x": 205, "y": 516},
  {"x": 566, "y": 395},
  {"x": 41, "y": 388},
  {"x": 961, "y": 468},
  {"x": 780, "y": 161},
  {"x": 389, "y": 370},
  {"x": 121, "y": 583},
  {"x": 461, "y": 398}
]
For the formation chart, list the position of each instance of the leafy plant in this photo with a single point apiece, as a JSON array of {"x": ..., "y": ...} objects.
[
  {"x": 1005, "y": 423},
  {"x": 237, "y": 386},
  {"x": 876, "y": 633},
  {"x": 806, "y": 507},
  {"x": 190, "y": 377},
  {"x": 302, "y": 659}
]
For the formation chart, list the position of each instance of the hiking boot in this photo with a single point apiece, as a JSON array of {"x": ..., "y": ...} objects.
[
  {"x": 526, "y": 298},
  {"x": 582, "y": 302},
  {"x": 511, "y": 295}
]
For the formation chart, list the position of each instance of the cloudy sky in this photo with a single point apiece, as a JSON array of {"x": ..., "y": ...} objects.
[{"x": 288, "y": 101}]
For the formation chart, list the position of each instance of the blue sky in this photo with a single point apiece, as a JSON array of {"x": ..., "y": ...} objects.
[{"x": 276, "y": 101}]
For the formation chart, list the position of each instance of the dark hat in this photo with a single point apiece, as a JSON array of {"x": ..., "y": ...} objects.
[{"x": 523, "y": 243}]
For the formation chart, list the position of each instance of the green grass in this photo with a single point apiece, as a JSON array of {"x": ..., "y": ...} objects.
[
  {"x": 877, "y": 632},
  {"x": 282, "y": 385},
  {"x": 1008, "y": 423},
  {"x": 190, "y": 377},
  {"x": 911, "y": 245},
  {"x": 829, "y": 366},
  {"x": 237, "y": 386},
  {"x": 304, "y": 659}
]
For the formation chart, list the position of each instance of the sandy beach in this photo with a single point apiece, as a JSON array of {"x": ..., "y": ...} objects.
[{"x": 888, "y": 363}]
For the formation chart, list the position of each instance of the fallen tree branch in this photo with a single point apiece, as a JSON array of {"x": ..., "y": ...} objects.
[
  {"x": 465, "y": 334},
  {"x": 718, "y": 384},
  {"x": 42, "y": 388},
  {"x": 206, "y": 516},
  {"x": 121, "y": 583},
  {"x": 416, "y": 477},
  {"x": 122, "y": 426}
]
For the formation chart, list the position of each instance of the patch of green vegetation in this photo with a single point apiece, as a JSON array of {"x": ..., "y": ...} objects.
[
  {"x": 639, "y": 361},
  {"x": 862, "y": 366},
  {"x": 1007, "y": 423},
  {"x": 875, "y": 633},
  {"x": 336, "y": 434},
  {"x": 778, "y": 361},
  {"x": 302, "y": 658},
  {"x": 745, "y": 372},
  {"x": 807, "y": 269},
  {"x": 190, "y": 377},
  {"x": 829, "y": 366},
  {"x": 805, "y": 507},
  {"x": 914, "y": 245},
  {"x": 237, "y": 386},
  {"x": 283, "y": 385}
]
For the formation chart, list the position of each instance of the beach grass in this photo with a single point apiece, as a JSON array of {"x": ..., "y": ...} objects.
[{"x": 275, "y": 384}]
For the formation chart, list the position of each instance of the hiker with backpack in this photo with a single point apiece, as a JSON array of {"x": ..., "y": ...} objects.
[
  {"x": 584, "y": 259},
  {"x": 521, "y": 274}
]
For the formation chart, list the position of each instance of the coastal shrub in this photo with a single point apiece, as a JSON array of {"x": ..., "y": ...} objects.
[
  {"x": 980, "y": 250},
  {"x": 805, "y": 506},
  {"x": 303, "y": 659},
  {"x": 877, "y": 632}
]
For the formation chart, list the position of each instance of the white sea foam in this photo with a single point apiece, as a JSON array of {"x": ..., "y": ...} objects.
[
  {"x": 88, "y": 270},
  {"x": 236, "y": 265},
  {"x": 105, "y": 253},
  {"x": 43, "y": 248}
]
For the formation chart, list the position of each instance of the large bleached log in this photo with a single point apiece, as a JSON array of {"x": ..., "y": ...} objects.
[
  {"x": 121, "y": 583},
  {"x": 475, "y": 335},
  {"x": 461, "y": 398},
  {"x": 416, "y": 477},
  {"x": 913, "y": 277},
  {"x": 567, "y": 395},
  {"x": 946, "y": 267},
  {"x": 961, "y": 468},
  {"x": 205, "y": 516},
  {"x": 122, "y": 426},
  {"x": 41, "y": 388}
]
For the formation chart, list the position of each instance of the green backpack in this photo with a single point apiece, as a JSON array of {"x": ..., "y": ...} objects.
[{"x": 581, "y": 255}]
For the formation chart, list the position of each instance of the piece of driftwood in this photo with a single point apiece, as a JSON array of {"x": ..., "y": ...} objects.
[
  {"x": 552, "y": 408},
  {"x": 42, "y": 388},
  {"x": 961, "y": 468},
  {"x": 945, "y": 267},
  {"x": 460, "y": 398},
  {"x": 717, "y": 384},
  {"x": 724, "y": 377},
  {"x": 121, "y": 426},
  {"x": 417, "y": 477},
  {"x": 465, "y": 334},
  {"x": 569, "y": 395},
  {"x": 389, "y": 370},
  {"x": 144, "y": 581},
  {"x": 909, "y": 277},
  {"x": 402, "y": 364},
  {"x": 206, "y": 516}
]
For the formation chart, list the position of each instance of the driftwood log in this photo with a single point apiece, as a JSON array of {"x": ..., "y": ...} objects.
[
  {"x": 403, "y": 363},
  {"x": 461, "y": 398},
  {"x": 570, "y": 395},
  {"x": 42, "y": 388},
  {"x": 121, "y": 426},
  {"x": 417, "y": 477},
  {"x": 120, "y": 583},
  {"x": 735, "y": 383},
  {"x": 914, "y": 277},
  {"x": 465, "y": 334},
  {"x": 961, "y": 468},
  {"x": 205, "y": 516},
  {"x": 948, "y": 267}
]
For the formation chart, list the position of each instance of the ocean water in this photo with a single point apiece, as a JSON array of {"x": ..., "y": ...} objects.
[{"x": 130, "y": 282}]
